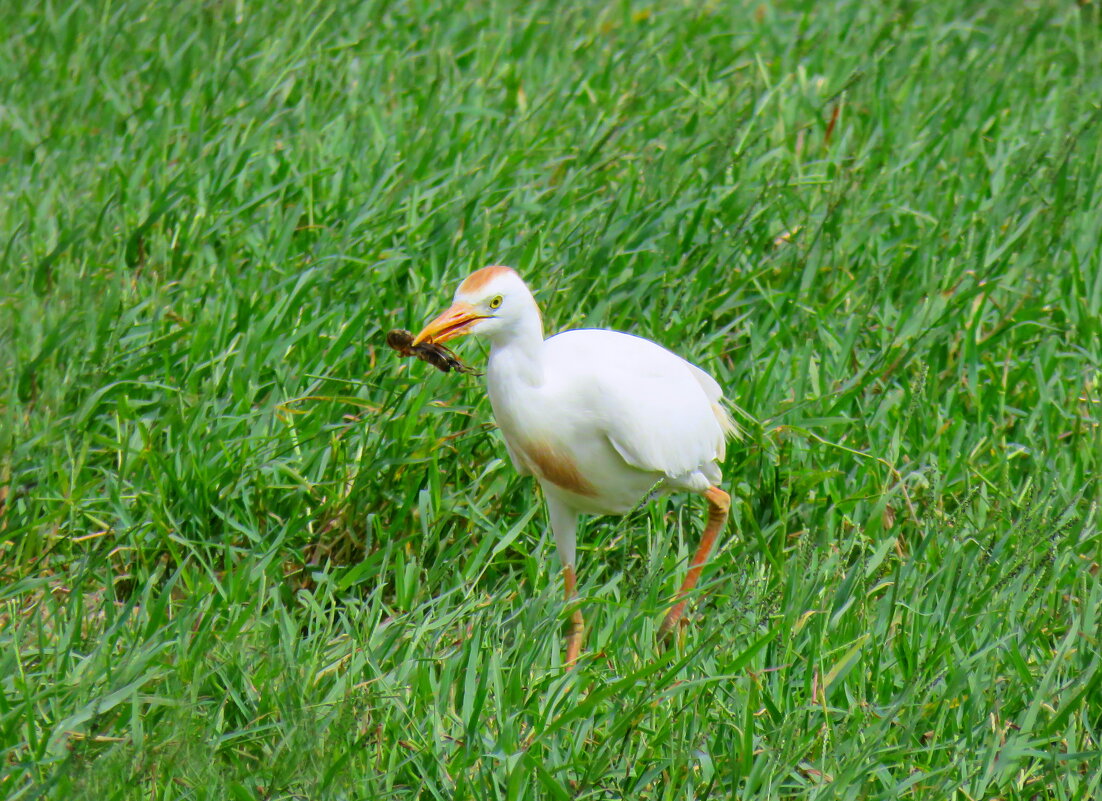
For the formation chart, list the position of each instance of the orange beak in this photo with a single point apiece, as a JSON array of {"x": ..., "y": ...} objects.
[{"x": 455, "y": 322}]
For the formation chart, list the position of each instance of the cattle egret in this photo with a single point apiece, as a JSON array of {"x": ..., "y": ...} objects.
[{"x": 598, "y": 417}]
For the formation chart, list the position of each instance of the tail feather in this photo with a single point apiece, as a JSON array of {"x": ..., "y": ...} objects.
[
  {"x": 730, "y": 428},
  {"x": 714, "y": 392}
]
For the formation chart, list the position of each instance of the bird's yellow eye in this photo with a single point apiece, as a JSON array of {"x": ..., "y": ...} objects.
[{"x": 495, "y": 302}]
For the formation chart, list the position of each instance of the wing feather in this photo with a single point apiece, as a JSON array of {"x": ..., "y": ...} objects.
[{"x": 659, "y": 412}]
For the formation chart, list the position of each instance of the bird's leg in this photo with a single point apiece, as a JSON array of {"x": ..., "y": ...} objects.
[
  {"x": 577, "y": 624},
  {"x": 718, "y": 504},
  {"x": 564, "y": 525}
]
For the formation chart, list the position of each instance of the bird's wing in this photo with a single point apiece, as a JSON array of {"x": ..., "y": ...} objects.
[{"x": 651, "y": 404}]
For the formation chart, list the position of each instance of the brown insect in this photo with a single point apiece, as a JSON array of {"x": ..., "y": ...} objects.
[{"x": 437, "y": 355}]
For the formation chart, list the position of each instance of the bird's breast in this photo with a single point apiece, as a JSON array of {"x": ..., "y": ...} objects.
[
  {"x": 541, "y": 437},
  {"x": 555, "y": 464},
  {"x": 557, "y": 442}
]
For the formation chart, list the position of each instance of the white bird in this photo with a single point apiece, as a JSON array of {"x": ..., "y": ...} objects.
[{"x": 598, "y": 417}]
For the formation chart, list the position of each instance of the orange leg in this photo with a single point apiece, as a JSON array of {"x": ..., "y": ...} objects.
[
  {"x": 718, "y": 504},
  {"x": 577, "y": 624}
]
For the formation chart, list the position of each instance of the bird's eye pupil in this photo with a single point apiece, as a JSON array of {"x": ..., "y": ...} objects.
[{"x": 495, "y": 302}]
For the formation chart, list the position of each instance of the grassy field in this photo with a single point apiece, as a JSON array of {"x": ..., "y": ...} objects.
[{"x": 246, "y": 552}]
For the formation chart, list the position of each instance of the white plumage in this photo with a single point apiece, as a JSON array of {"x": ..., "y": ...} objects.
[{"x": 598, "y": 417}]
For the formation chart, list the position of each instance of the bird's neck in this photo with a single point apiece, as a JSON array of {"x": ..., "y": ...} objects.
[{"x": 519, "y": 351}]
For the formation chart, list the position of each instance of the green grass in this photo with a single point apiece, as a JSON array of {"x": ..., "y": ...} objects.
[{"x": 248, "y": 553}]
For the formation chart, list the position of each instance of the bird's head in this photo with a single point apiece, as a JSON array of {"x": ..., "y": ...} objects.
[{"x": 492, "y": 302}]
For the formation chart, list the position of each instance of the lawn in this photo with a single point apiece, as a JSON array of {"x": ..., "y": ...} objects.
[{"x": 247, "y": 552}]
